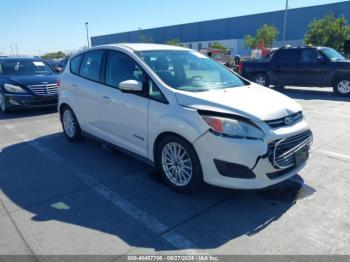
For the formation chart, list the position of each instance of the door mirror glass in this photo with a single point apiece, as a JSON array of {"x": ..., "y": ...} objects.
[
  {"x": 58, "y": 69},
  {"x": 131, "y": 86}
]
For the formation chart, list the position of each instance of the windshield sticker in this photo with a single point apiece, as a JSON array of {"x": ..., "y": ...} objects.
[{"x": 38, "y": 63}]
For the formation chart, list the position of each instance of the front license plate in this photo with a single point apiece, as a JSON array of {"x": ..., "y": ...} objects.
[{"x": 301, "y": 156}]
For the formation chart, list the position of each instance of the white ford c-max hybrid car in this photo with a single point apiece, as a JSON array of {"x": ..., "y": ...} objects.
[{"x": 184, "y": 113}]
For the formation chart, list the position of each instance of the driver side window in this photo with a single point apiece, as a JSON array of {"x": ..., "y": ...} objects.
[
  {"x": 308, "y": 56},
  {"x": 121, "y": 67}
]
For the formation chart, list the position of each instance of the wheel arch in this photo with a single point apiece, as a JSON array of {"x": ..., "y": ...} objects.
[
  {"x": 160, "y": 137},
  {"x": 337, "y": 76},
  {"x": 61, "y": 107},
  {"x": 60, "y": 110}
]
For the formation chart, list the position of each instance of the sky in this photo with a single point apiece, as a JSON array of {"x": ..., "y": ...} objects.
[{"x": 40, "y": 26}]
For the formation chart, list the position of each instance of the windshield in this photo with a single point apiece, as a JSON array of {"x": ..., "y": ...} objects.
[
  {"x": 331, "y": 54},
  {"x": 190, "y": 71},
  {"x": 24, "y": 67}
]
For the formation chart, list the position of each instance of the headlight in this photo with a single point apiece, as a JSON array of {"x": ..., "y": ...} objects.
[
  {"x": 14, "y": 89},
  {"x": 233, "y": 128}
]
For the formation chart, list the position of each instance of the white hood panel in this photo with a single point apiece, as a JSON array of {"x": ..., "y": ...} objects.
[{"x": 255, "y": 102}]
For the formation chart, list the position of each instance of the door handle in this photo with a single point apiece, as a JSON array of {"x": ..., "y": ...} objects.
[
  {"x": 75, "y": 86},
  {"x": 107, "y": 98}
]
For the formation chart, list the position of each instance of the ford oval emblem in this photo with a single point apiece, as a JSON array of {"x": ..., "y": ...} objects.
[{"x": 289, "y": 120}]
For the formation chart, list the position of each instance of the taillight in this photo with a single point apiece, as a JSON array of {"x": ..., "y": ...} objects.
[
  {"x": 240, "y": 67},
  {"x": 58, "y": 83}
]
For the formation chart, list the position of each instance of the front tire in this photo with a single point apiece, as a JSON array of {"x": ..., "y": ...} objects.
[
  {"x": 70, "y": 125},
  {"x": 179, "y": 164},
  {"x": 342, "y": 87},
  {"x": 3, "y": 105},
  {"x": 261, "y": 79}
]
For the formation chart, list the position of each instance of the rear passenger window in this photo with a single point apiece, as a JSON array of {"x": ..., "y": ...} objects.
[
  {"x": 289, "y": 56},
  {"x": 75, "y": 64},
  {"x": 91, "y": 65}
]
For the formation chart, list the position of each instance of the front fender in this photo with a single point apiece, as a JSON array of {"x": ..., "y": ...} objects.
[
  {"x": 337, "y": 74},
  {"x": 178, "y": 120}
]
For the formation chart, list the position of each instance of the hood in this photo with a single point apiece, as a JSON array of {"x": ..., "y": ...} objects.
[
  {"x": 344, "y": 63},
  {"x": 31, "y": 79},
  {"x": 254, "y": 102}
]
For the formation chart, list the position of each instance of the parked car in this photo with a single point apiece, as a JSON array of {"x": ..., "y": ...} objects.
[
  {"x": 187, "y": 115},
  {"x": 26, "y": 83},
  {"x": 301, "y": 66},
  {"x": 63, "y": 62},
  {"x": 55, "y": 65}
]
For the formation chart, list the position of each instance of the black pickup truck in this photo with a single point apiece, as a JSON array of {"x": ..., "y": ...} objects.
[{"x": 301, "y": 66}]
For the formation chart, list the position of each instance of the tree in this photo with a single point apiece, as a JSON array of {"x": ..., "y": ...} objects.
[
  {"x": 266, "y": 33},
  {"x": 328, "y": 31},
  {"x": 175, "y": 42},
  {"x": 219, "y": 46},
  {"x": 54, "y": 55}
]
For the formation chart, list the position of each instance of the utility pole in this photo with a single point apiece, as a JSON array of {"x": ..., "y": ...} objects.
[
  {"x": 16, "y": 49},
  {"x": 87, "y": 33},
  {"x": 285, "y": 23}
]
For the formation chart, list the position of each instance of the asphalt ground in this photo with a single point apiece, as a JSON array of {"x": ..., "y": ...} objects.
[{"x": 62, "y": 198}]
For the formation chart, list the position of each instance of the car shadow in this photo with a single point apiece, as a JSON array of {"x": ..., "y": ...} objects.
[
  {"x": 27, "y": 113},
  {"x": 308, "y": 94},
  {"x": 31, "y": 181}
]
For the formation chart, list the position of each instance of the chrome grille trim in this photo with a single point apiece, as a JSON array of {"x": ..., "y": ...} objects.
[
  {"x": 282, "y": 152},
  {"x": 281, "y": 122},
  {"x": 44, "y": 89}
]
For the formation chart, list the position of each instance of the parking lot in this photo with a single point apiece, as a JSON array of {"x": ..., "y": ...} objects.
[{"x": 85, "y": 198}]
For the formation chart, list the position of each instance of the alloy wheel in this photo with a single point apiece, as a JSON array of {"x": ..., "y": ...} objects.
[
  {"x": 344, "y": 87},
  {"x": 260, "y": 80},
  {"x": 69, "y": 123},
  {"x": 177, "y": 164}
]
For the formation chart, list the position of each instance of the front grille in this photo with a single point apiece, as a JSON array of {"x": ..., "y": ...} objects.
[
  {"x": 285, "y": 121},
  {"x": 44, "y": 89},
  {"x": 282, "y": 152}
]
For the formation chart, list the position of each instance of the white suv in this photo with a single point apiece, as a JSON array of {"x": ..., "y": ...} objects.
[{"x": 185, "y": 114}]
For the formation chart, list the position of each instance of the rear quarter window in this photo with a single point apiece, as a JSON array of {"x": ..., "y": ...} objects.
[{"x": 75, "y": 64}]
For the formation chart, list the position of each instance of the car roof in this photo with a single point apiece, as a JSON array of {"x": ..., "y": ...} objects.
[
  {"x": 145, "y": 47},
  {"x": 134, "y": 47},
  {"x": 20, "y": 59},
  {"x": 301, "y": 47}
]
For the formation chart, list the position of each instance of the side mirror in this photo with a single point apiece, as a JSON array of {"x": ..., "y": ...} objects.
[
  {"x": 131, "y": 86},
  {"x": 321, "y": 59},
  {"x": 58, "y": 70}
]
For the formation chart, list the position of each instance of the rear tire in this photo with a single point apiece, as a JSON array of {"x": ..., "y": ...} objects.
[
  {"x": 179, "y": 164},
  {"x": 261, "y": 79},
  {"x": 341, "y": 87},
  {"x": 71, "y": 127}
]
